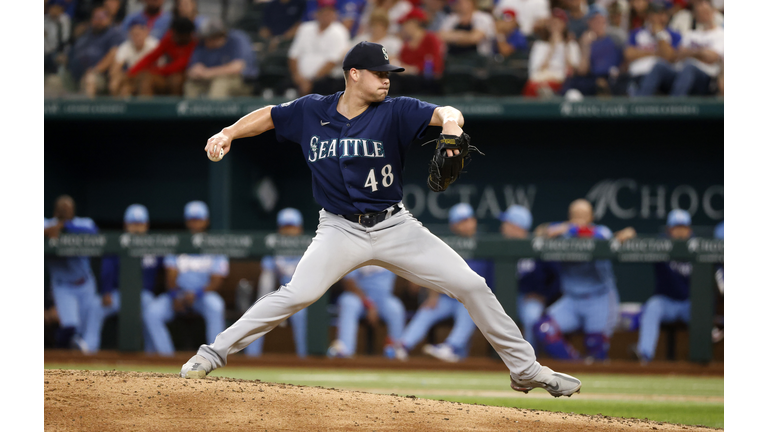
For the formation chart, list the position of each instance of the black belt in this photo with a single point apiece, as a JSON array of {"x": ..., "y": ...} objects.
[{"x": 368, "y": 220}]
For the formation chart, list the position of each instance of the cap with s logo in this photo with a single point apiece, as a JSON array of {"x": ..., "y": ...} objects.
[{"x": 371, "y": 56}]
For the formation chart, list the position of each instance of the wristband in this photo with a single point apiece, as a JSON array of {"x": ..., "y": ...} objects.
[{"x": 450, "y": 119}]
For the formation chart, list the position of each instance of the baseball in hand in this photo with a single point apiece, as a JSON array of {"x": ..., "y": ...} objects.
[{"x": 214, "y": 158}]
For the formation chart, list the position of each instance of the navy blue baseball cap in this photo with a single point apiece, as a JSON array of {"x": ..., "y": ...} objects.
[
  {"x": 195, "y": 210},
  {"x": 518, "y": 215},
  {"x": 678, "y": 217},
  {"x": 289, "y": 217},
  {"x": 136, "y": 213},
  {"x": 370, "y": 56}
]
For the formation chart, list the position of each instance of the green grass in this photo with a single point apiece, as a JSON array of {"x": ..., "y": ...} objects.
[{"x": 624, "y": 395}]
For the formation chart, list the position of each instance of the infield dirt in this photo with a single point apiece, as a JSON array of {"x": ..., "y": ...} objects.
[{"x": 118, "y": 401}]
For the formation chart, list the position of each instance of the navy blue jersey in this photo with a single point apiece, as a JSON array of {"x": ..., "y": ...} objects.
[
  {"x": 484, "y": 268},
  {"x": 110, "y": 272},
  {"x": 357, "y": 163},
  {"x": 538, "y": 277},
  {"x": 673, "y": 279}
]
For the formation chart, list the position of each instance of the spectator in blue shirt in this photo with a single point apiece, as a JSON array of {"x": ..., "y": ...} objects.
[
  {"x": 281, "y": 20},
  {"x": 158, "y": 21},
  {"x": 670, "y": 301},
  {"x": 654, "y": 42},
  {"x": 93, "y": 53},
  {"x": 136, "y": 222},
  {"x": 509, "y": 38},
  {"x": 538, "y": 282},
  {"x": 350, "y": 12},
  {"x": 192, "y": 282},
  {"x": 598, "y": 67},
  {"x": 72, "y": 281},
  {"x": 220, "y": 63}
]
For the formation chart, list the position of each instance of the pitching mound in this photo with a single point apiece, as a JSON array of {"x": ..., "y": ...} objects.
[{"x": 119, "y": 401}]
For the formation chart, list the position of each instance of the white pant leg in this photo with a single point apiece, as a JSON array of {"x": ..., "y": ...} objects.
[
  {"x": 403, "y": 246},
  {"x": 337, "y": 249}
]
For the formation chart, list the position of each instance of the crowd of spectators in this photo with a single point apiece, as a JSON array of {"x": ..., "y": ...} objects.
[{"x": 537, "y": 48}]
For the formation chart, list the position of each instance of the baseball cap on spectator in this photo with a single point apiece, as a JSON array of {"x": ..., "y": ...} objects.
[
  {"x": 370, "y": 56},
  {"x": 136, "y": 213},
  {"x": 137, "y": 20},
  {"x": 678, "y": 217},
  {"x": 518, "y": 215},
  {"x": 289, "y": 216},
  {"x": 460, "y": 212},
  {"x": 326, "y": 3},
  {"x": 415, "y": 14},
  {"x": 195, "y": 210},
  {"x": 720, "y": 230},
  {"x": 596, "y": 9},
  {"x": 212, "y": 28},
  {"x": 506, "y": 15}
]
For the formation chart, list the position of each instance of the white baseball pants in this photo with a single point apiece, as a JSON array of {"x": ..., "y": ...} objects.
[{"x": 400, "y": 244}]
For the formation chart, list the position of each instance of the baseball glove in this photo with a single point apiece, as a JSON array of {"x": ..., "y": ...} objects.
[{"x": 444, "y": 169}]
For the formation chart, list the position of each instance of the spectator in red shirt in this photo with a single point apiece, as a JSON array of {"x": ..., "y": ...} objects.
[
  {"x": 176, "y": 47},
  {"x": 421, "y": 55}
]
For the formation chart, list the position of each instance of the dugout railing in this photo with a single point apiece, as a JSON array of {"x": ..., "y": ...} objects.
[{"x": 703, "y": 253}]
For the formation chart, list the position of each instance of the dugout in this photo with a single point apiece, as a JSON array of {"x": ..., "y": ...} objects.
[{"x": 633, "y": 159}]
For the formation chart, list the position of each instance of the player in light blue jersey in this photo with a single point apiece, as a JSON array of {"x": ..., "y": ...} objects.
[
  {"x": 277, "y": 271},
  {"x": 192, "y": 282},
  {"x": 438, "y": 307},
  {"x": 368, "y": 292},
  {"x": 590, "y": 301},
  {"x": 136, "y": 222},
  {"x": 670, "y": 301},
  {"x": 538, "y": 282},
  {"x": 72, "y": 280}
]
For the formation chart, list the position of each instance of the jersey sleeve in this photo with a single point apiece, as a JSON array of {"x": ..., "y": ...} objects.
[
  {"x": 220, "y": 266},
  {"x": 81, "y": 226},
  {"x": 413, "y": 117},
  {"x": 288, "y": 119},
  {"x": 602, "y": 232}
]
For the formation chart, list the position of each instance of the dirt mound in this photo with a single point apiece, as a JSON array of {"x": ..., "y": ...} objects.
[{"x": 112, "y": 401}]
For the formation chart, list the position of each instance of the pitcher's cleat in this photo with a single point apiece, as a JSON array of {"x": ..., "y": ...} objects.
[
  {"x": 196, "y": 367},
  {"x": 556, "y": 383}
]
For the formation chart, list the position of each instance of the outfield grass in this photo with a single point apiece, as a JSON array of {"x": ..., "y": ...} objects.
[{"x": 668, "y": 398}]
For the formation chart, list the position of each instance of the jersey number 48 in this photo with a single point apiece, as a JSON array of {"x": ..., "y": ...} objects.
[{"x": 386, "y": 178}]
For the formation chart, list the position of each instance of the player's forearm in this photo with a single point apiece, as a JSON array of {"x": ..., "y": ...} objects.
[{"x": 252, "y": 124}]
